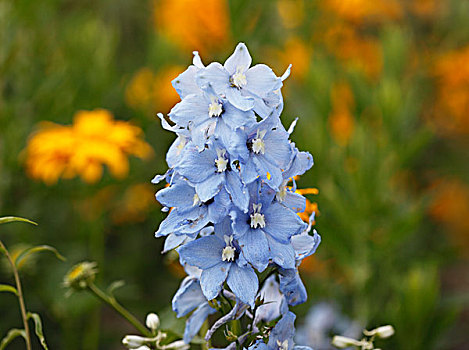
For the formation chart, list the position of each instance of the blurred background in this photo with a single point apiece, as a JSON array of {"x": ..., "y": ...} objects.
[{"x": 381, "y": 88}]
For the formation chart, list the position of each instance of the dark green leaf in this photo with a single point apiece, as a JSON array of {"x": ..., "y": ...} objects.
[
  {"x": 7, "y": 219},
  {"x": 36, "y": 249},
  {"x": 11, "y": 335},
  {"x": 7, "y": 288},
  {"x": 38, "y": 328}
]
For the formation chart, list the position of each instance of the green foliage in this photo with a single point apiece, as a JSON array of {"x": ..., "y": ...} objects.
[
  {"x": 38, "y": 328},
  {"x": 11, "y": 335},
  {"x": 8, "y": 289},
  {"x": 42, "y": 248}
]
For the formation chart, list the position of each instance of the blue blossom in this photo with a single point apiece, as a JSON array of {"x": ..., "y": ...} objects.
[
  {"x": 274, "y": 303},
  {"x": 244, "y": 87},
  {"x": 188, "y": 298},
  {"x": 264, "y": 232},
  {"x": 210, "y": 171},
  {"x": 220, "y": 259}
]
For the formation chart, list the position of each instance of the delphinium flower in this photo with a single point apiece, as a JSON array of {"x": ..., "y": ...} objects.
[{"x": 233, "y": 217}]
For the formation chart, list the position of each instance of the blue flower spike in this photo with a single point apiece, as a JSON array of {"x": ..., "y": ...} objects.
[{"x": 232, "y": 203}]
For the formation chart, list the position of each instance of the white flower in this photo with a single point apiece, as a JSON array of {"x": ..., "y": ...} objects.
[
  {"x": 133, "y": 341},
  {"x": 343, "y": 342}
]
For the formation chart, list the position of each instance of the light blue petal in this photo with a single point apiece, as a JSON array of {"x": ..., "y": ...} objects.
[
  {"x": 192, "y": 109},
  {"x": 238, "y": 191},
  {"x": 188, "y": 297},
  {"x": 243, "y": 283},
  {"x": 248, "y": 171},
  {"x": 292, "y": 287},
  {"x": 261, "y": 108},
  {"x": 180, "y": 194},
  {"x": 185, "y": 83},
  {"x": 302, "y": 162},
  {"x": 265, "y": 167},
  {"x": 173, "y": 157},
  {"x": 220, "y": 206},
  {"x": 204, "y": 252},
  {"x": 196, "y": 320},
  {"x": 215, "y": 75},
  {"x": 233, "y": 140},
  {"x": 294, "y": 201},
  {"x": 270, "y": 294},
  {"x": 304, "y": 244},
  {"x": 197, "y": 166},
  {"x": 173, "y": 222},
  {"x": 212, "y": 279},
  {"x": 200, "y": 133},
  {"x": 192, "y": 225},
  {"x": 240, "y": 58},
  {"x": 284, "y": 330},
  {"x": 236, "y": 98},
  {"x": 235, "y": 118},
  {"x": 173, "y": 241},
  {"x": 210, "y": 187},
  {"x": 240, "y": 223},
  {"x": 261, "y": 80},
  {"x": 282, "y": 254},
  {"x": 259, "y": 345},
  {"x": 278, "y": 148},
  {"x": 282, "y": 223},
  {"x": 255, "y": 248}
]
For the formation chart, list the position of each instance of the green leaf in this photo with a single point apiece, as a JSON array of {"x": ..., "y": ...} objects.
[
  {"x": 113, "y": 286},
  {"x": 7, "y": 219},
  {"x": 11, "y": 335},
  {"x": 39, "y": 248},
  {"x": 7, "y": 288},
  {"x": 38, "y": 328}
]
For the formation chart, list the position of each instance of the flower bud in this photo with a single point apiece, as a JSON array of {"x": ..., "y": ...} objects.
[
  {"x": 152, "y": 321},
  {"x": 177, "y": 345},
  {"x": 81, "y": 275},
  {"x": 344, "y": 342},
  {"x": 133, "y": 341},
  {"x": 384, "y": 331}
]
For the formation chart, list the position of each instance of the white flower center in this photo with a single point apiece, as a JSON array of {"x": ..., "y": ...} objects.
[
  {"x": 196, "y": 200},
  {"x": 221, "y": 162},
  {"x": 282, "y": 193},
  {"x": 257, "y": 219},
  {"x": 238, "y": 79},
  {"x": 215, "y": 109},
  {"x": 258, "y": 144},
  {"x": 282, "y": 345},
  {"x": 228, "y": 253}
]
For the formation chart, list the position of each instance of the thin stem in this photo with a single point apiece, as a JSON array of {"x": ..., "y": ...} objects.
[
  {"x": 20, "y": 296},
  {"x": 120, "y": 309}
]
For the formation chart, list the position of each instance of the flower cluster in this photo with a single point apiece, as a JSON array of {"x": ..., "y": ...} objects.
[{"x": 232, "y": 200}]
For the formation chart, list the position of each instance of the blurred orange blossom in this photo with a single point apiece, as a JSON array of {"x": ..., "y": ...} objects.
[{"x": 94, "y": 139}]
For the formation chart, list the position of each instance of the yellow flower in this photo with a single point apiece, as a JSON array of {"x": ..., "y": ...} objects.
[
  {"x": 341, "y": 120},
  {"x": 150, "y": 92},
  {"x": 291, "y": 12},
  {"x": 452, "y": 103},
  {"x": 95, "y": 139},
  {"x": 193, "y": 24}
]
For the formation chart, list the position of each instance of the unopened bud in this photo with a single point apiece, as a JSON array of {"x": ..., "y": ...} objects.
[
  {"x": 177, "y": 345},
  {"x": 152, "y": 321},
  {"x": 344, "y": 342},
  {"x": 384, "y": 331},
  {"x": 133, "y": 341}
]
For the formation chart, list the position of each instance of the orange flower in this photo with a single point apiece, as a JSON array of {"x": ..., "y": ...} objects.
[
  {"x": 298, "y": 53},
  {"x": 341, "y": 120},
  {"x": 193, "y": 24},
  {"x": 149, "y": 91},
  {"x": 452, "y": 104},
  {"x": 450, "y": 206},
  {"x": 93, "y": 140},
  {"x": 365, "y": 10},
  {"x": 356, "y": 52},
  {"x": 310, "y": 207},
  {"x": 135, "y": 204}
]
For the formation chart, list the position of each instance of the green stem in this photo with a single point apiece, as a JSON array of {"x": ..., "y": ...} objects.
[
  {"x": 112, "y": 302},
  {"x": 20, "y": 296}
]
